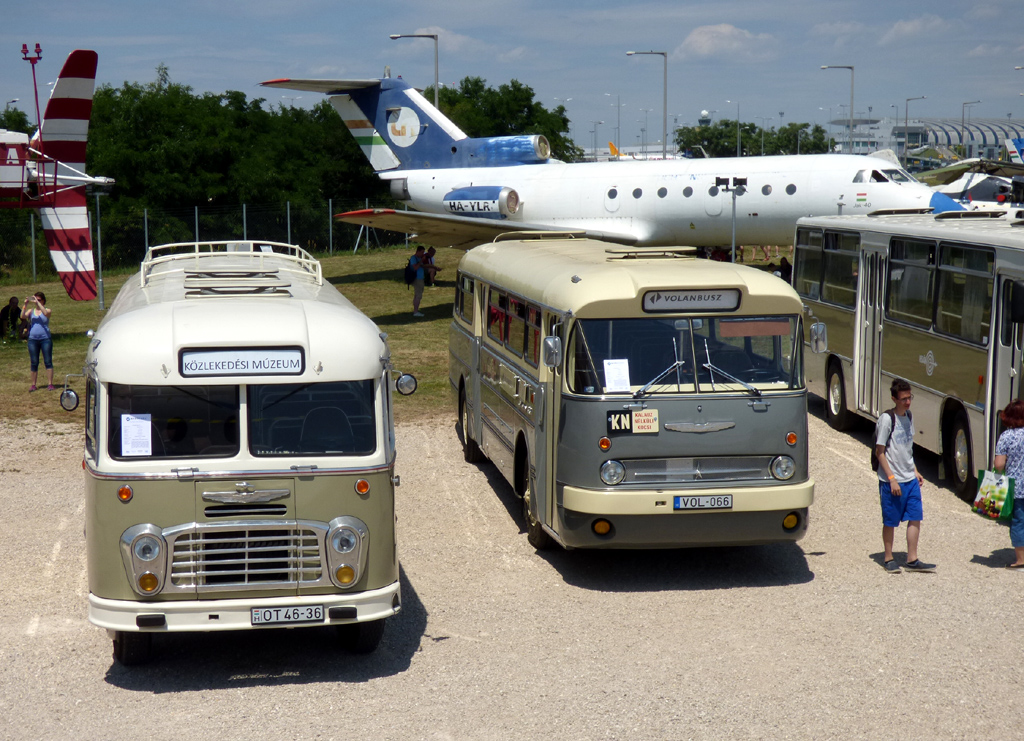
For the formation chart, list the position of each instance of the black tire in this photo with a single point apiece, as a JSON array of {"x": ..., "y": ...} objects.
[
  {"x": 959, "y": 463},
  {"x": 132, "y": 649},
  {"x": 838, "y": 416},
  {"x": 471, "y": 452},
  {"x": 535, "y": 533},
  {"x": 361, "y": 638}
]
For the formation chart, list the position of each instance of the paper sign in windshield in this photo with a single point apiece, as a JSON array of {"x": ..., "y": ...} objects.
[
  {"x": 136, "y": 434},
  {"x": 616, "y": 375}
]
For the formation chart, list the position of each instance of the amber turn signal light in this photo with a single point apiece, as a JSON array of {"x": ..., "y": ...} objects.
[
  {"x": 362, "y": 486},
  {"x": 345, "y": 574},
  {"x": 601, "y": 527},
  {"x": 604, "y": 443},
  {"x": 125, "y": 493},
  {"x": 791, "y": 438},
  {"x": 148, "y": 582}
]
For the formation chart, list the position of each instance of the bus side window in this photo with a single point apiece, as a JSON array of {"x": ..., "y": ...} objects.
[
  {"x": 532, "y": 354},
  {"x": 911, "y": 282},
  {"x": 840, "y": 261},
  {"x": 964, "y": 295},
  {"x": 516, "y": 326},
  {"x": 464, "y": 298},
  {"x": 807, "y": 270},
  {"x": 496, "y": 316},
  {"x": 91, "y": 416}
]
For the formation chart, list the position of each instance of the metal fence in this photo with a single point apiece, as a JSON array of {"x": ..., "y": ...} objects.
[{"x": 121, "y": 239}]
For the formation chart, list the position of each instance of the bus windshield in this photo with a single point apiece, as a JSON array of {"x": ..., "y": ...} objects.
[{"x": 656, "y": 355}]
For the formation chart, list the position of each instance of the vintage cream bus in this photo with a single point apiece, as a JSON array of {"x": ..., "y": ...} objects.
[
  {"x": 239, "y": 453},
  {"x": 633, "y": 398},
  {"x": 937, "y": 299}
]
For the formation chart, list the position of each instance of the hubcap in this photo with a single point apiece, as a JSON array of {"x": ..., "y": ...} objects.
[
  {"x": 960, "y": 454},
  {"x": 835, "y": 394}
]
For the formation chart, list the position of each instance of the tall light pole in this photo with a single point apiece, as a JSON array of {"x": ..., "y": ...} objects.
[
  {"x": 906, "y": 119},
  {"x": 596, "y": 124},
  {"x": 849, "y": 67},
  {"x": 618, "y": 121},
  {"x": 645, "y": 111},
  {"x": 737, "y": 127},
  {"x": 664, "y": 100},
  {"x": 7, "y": 105},
  {"x": 763, "y": 120},
  {"x": 963, "y": 114},
  {"x": 422, "y": 36}
]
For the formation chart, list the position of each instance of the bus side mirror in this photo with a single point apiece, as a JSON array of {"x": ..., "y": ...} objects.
[
  {"x": 405, "y": 384},
  {"x": 1017, "y": 302},
  {"x": 819, "y": 338},
  {"x": 552, "y": 352}
]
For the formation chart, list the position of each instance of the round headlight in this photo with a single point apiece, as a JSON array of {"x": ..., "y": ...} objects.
[
  {"x": 612, "y": 472},
  {"x": 783, "y": 467},
  {"x": 147, "y": 548},
  {"x": 344, "y": 541}
]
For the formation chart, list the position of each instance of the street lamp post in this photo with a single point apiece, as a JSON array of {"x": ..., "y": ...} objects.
[
  {"x": 664, "y": 100},
  {"x": 963, "y": 133},
  {"x": 849, "y": 67},
  {"x": 906, "y": 119},
  {"x": 618, "y": 120},
  {"x": 645, "y": 111},
  {"x": 423, "y": 36},
  {"x": 739, "y": 187},
  {"x": 737, "y": 127},
  {"x": 596, "y": 124},
  {"x": 763, "y": 119}
]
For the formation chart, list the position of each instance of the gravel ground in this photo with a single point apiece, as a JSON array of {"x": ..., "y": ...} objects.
[{"x": 809, "y": 640}]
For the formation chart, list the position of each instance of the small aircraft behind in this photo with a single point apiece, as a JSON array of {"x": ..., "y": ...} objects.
[
  {"x": 465, "y": 191},
  {"x": 47, "y": 172}
]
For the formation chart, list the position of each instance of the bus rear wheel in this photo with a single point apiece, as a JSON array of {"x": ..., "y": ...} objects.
[
  {"x": 471, "y": 452},
  {"x": 131, "y": 649},
  {"x": 838, "y": 416},
  {"x": 361, "y": 638},
  {"x": 958, "y": 458}
]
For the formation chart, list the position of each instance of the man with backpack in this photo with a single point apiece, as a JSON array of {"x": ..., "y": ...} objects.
[
  {"x": 415, "y": 272},
  {"x": 899, "y": 483}
]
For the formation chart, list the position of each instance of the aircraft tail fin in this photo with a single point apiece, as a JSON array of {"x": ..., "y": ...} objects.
[
  {"x": 398, "y": 129},
  {"x": 62, "y": 138},
  {"x": 613, "y": 150},
  {"x": 1015, "y": 147}
]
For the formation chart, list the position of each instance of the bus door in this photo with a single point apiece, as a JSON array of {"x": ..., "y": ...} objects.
[
  {"x": 868, "y": 364},
  {"x": 1006, "y": 358}
]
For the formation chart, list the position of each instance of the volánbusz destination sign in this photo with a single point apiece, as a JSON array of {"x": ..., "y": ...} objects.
[
  {"x": 724, "y": 299},
  {"x": 273, "y": 361}
]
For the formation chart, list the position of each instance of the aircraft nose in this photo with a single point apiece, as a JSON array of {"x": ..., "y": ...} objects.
[{"x": 941, "y": 202}]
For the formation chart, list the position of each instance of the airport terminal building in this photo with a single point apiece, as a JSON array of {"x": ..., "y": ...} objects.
[{"x": 982, "y": 137}]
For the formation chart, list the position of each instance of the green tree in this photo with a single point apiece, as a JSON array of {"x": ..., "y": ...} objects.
[
  {"x": 14, "y": 119},
  {"x": 719, "y": 139}
]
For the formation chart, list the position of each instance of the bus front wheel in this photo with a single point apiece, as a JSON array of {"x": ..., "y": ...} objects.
[
  {"x": 958, "y": 458},
  {"x": 131, "y": 649},
  {"x": 471, "y": 452},
  {"x": 535, "y": 534},
  {"x": 361, "y": 638},
  {"x": 838, "y": 416}
]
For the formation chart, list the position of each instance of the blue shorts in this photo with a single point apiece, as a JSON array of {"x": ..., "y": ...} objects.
[
  {"x": 1017, "y": 524},
  {"x": 904, "y": 508}
]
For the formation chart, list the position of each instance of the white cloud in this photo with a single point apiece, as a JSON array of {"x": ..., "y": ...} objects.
[
  {"x": 987, "y": 50},
  {"x": 839, "y": 29},
  {"x": 513, "y": 55},
  {"x": 725, "y": 42},
  {"x": 910, "y": 30}
]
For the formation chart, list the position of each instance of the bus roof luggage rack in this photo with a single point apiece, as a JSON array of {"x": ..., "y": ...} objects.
[
  {"x": 957, "y": 215},
  {"x": 633, "y": 253},
  {"x": 900, "y": 211},
  {"x": 525, "y": 235},
  {"x": 232, "y": 267}
]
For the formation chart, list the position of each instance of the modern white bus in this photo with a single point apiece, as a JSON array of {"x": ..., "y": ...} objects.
[
  {"x": 634, "y": 398},
  {"x": 239, "y": 452},
  {"x": 935, "y": 299}
]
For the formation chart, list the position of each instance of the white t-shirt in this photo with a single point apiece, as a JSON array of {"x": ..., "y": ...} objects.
[{"x": 900, "y": 453}]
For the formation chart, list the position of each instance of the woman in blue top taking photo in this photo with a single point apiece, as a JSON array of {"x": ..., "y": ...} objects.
[
  {"x": 1009, "y": 459},
  {"x": 37, "y": 316}
]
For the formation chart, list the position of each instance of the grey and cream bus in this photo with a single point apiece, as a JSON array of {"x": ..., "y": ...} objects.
[
  {"x": 239, "y": 452},
  {"x": 634, "y": 398},
  {"x": 936, "y": 299}
]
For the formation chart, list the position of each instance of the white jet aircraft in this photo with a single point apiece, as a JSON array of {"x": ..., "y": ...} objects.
[{"x": 466, "y": 191}]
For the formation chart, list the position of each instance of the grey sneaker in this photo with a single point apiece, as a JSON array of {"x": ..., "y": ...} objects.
[
  {"x": 891, "y": 567},
  {"x": 919, "y": 565}
]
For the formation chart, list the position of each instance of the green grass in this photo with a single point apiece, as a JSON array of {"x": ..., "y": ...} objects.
[{"x": 371, "y": 280}]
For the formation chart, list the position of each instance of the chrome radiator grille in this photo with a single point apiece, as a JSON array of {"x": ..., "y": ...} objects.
[
  {"x": 652, "y": 471},
  {"x": 271, "y": 555}
]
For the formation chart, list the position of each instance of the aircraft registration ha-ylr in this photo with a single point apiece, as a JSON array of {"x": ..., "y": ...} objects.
[{"x": 465, "y": 191}]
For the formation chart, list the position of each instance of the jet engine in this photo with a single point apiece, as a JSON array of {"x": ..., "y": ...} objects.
[
  {"x": 484, "y": 201},
  {"x": 501, "y": 150}
]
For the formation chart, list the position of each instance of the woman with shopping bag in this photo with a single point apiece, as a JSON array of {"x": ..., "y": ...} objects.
[{"x": 1009, "y": 459}]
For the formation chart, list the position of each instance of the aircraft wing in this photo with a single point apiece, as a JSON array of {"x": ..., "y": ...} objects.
[
  {"x": 946, "y": 175},
  {"x": 461, "y": 232},
  {"x": 329, "y": 87}
]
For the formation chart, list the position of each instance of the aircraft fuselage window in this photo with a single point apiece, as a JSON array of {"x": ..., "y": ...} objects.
[
  {"x": 613, "y": 194},
  {"x": 713, "y": 190},
  {"x": 662, "y": 192},
  {"x": 687, "y": 192},
  {"x": 900, "y": 176},
  {"x": 637, "y": 192},
  {"x": 877, "y": 177},
  {"x": 766, "y": 190},
  {"x": 790, "y": 189}
]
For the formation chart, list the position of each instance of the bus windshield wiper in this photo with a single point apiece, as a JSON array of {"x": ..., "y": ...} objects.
[
  {"x": 646, "y": 387},
  {"x": 715, "y": 369}
]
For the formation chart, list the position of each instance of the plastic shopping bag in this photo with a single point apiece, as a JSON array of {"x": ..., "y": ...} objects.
[{"x": 995, "y": 495}]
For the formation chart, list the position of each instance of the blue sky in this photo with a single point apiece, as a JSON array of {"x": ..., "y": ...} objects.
[{"x": 765, "y": 55}]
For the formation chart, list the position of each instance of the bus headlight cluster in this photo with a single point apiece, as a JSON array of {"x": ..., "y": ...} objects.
[
  {"x": 783, "y": 468},
  {"x": 348, "y": 541},
  {"x": 612, "y": 472},
  {"x": 143, "y": 550}
]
